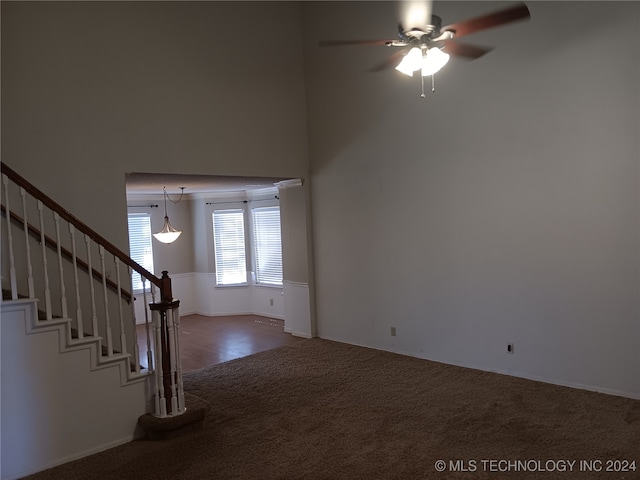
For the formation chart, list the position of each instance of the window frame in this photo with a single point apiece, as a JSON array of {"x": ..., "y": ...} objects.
[
  {"x": 136, "y": 281},
  {"x": 262, "y": 232},
  {"x": 218, "y": 236}
]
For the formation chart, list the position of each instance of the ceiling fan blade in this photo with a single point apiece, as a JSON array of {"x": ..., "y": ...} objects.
[
  {"x": 391, "y": 62},
  {"x": 514, "y": 13},
  {"x": 465, "y": 50},
  {"x": 337, "y": 43}
]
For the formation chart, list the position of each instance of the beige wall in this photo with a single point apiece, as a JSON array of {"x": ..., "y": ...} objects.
[
  {"x": 293, "y": 213},
  {"x": 502, "y": 208},
  {"x": 94, "y": 90}
]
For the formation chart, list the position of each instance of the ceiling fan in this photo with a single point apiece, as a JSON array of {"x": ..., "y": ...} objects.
[{"x": 427, "y": 45}]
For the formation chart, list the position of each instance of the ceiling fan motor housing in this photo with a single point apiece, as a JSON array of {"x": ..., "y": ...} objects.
[{"x": 424, "y": 35}]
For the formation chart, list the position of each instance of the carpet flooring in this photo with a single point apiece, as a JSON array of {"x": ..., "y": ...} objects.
[{"x": 324, "y": 410}]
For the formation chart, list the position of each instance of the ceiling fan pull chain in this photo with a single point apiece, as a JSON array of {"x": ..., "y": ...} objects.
[{"x": 433, "y": 85}]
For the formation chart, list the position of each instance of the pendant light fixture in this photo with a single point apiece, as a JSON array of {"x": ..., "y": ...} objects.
[{"x": 168, "y": 234}]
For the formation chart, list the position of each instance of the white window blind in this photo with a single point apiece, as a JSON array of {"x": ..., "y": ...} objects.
[
  {"x": 229, "y": 246},
  {"x": 267, "y": 245},
  {"x": 140, "y": 246}
]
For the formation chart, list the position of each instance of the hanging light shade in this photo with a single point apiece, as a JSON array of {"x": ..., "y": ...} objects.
[
  {"x": 433, "y": 61},
  {"x": 411, "y": 62},
  {"x": 168, "y": 234}
]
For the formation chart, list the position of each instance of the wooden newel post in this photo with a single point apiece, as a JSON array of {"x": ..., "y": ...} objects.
[
  {"x": 169, "y": 398},
  {"x": 165, "y": 289}
]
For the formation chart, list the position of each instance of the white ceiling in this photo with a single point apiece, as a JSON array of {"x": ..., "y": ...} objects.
[{"x": 153, "y": 183}]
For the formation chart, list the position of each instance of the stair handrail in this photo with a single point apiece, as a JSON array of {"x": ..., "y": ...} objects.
[
  {"x": 51, "y": 243},
  {"x": 163, "y": 283}
]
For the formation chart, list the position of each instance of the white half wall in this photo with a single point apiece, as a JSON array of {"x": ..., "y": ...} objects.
[
  {"x": 267, "y": 301},
  {"x": 297, "y": 315},
  {"x": 198, "y": 294},
  {"x": 183, "y": 288}
]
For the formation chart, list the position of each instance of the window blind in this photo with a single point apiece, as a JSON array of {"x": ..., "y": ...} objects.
[
  {"x": 229, "y": 247},
  {"x": 267, "y": 244},
  {"x": 140, "y": 246}
]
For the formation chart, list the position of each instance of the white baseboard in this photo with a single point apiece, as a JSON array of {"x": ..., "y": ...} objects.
[
  {"x": 71, "y": 458},
  {"x": 511, "y": 373}
]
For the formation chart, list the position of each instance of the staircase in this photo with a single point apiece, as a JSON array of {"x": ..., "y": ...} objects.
[{"x": 74, "y": 380}]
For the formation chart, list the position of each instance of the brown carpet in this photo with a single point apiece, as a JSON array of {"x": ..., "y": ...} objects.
[{"x": 324, "y": 410}]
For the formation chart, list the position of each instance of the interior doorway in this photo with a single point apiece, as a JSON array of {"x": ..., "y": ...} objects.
[{"x": 190, "y": 260}]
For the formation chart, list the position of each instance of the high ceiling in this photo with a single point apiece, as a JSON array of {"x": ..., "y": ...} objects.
[{"x": 153, "y": 183}]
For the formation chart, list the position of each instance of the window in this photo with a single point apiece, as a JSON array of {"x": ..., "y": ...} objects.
[
  {"x": 267, "y": 245},
  {"x": 140, "y": 246},
  {"x": 229, "y": 246}
]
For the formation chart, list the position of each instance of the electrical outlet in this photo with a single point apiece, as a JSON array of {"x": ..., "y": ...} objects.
[
  {"x": 510, "y": 348},
  {"x": 271, "y": 302},
  {"x": 393, "y": 331}
]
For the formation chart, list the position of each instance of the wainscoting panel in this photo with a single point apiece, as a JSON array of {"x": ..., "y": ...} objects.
[
  {"x": 297, "y": 313},
  {"x": 267, "y": 301},
  {"x": 198, "y": 294}
]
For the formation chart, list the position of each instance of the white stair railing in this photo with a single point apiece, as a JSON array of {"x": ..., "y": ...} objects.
[{"x": 112, "y": 326}]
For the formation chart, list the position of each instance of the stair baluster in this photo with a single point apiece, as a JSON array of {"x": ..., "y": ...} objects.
[
  {"x": 106, "y": 304},
  {"x": 136, "y": 348},
  {"x": 150, "y": 363},
  {"x": 45, "y": 264},
  {"x": 176, "y": 344},
  {"x": 63, "y": 290},
  {"x": 172, "y": 357},
  {"x": 177, "y": 390},
  {"x": 76, "y": 282},
  {"x": 161, "y": 404},
  {"x": 123, "y": 336},
  {"x": 94, "y": 311},
  {"x": 25, "y": 226},
  {"x": 12, "y": 262}
]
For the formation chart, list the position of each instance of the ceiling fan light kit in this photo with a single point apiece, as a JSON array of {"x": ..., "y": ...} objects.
[
  {"x": 434, "y": 61},
  {"x": 430, "y": 46},
  {"x": 429, "y": 61}
]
